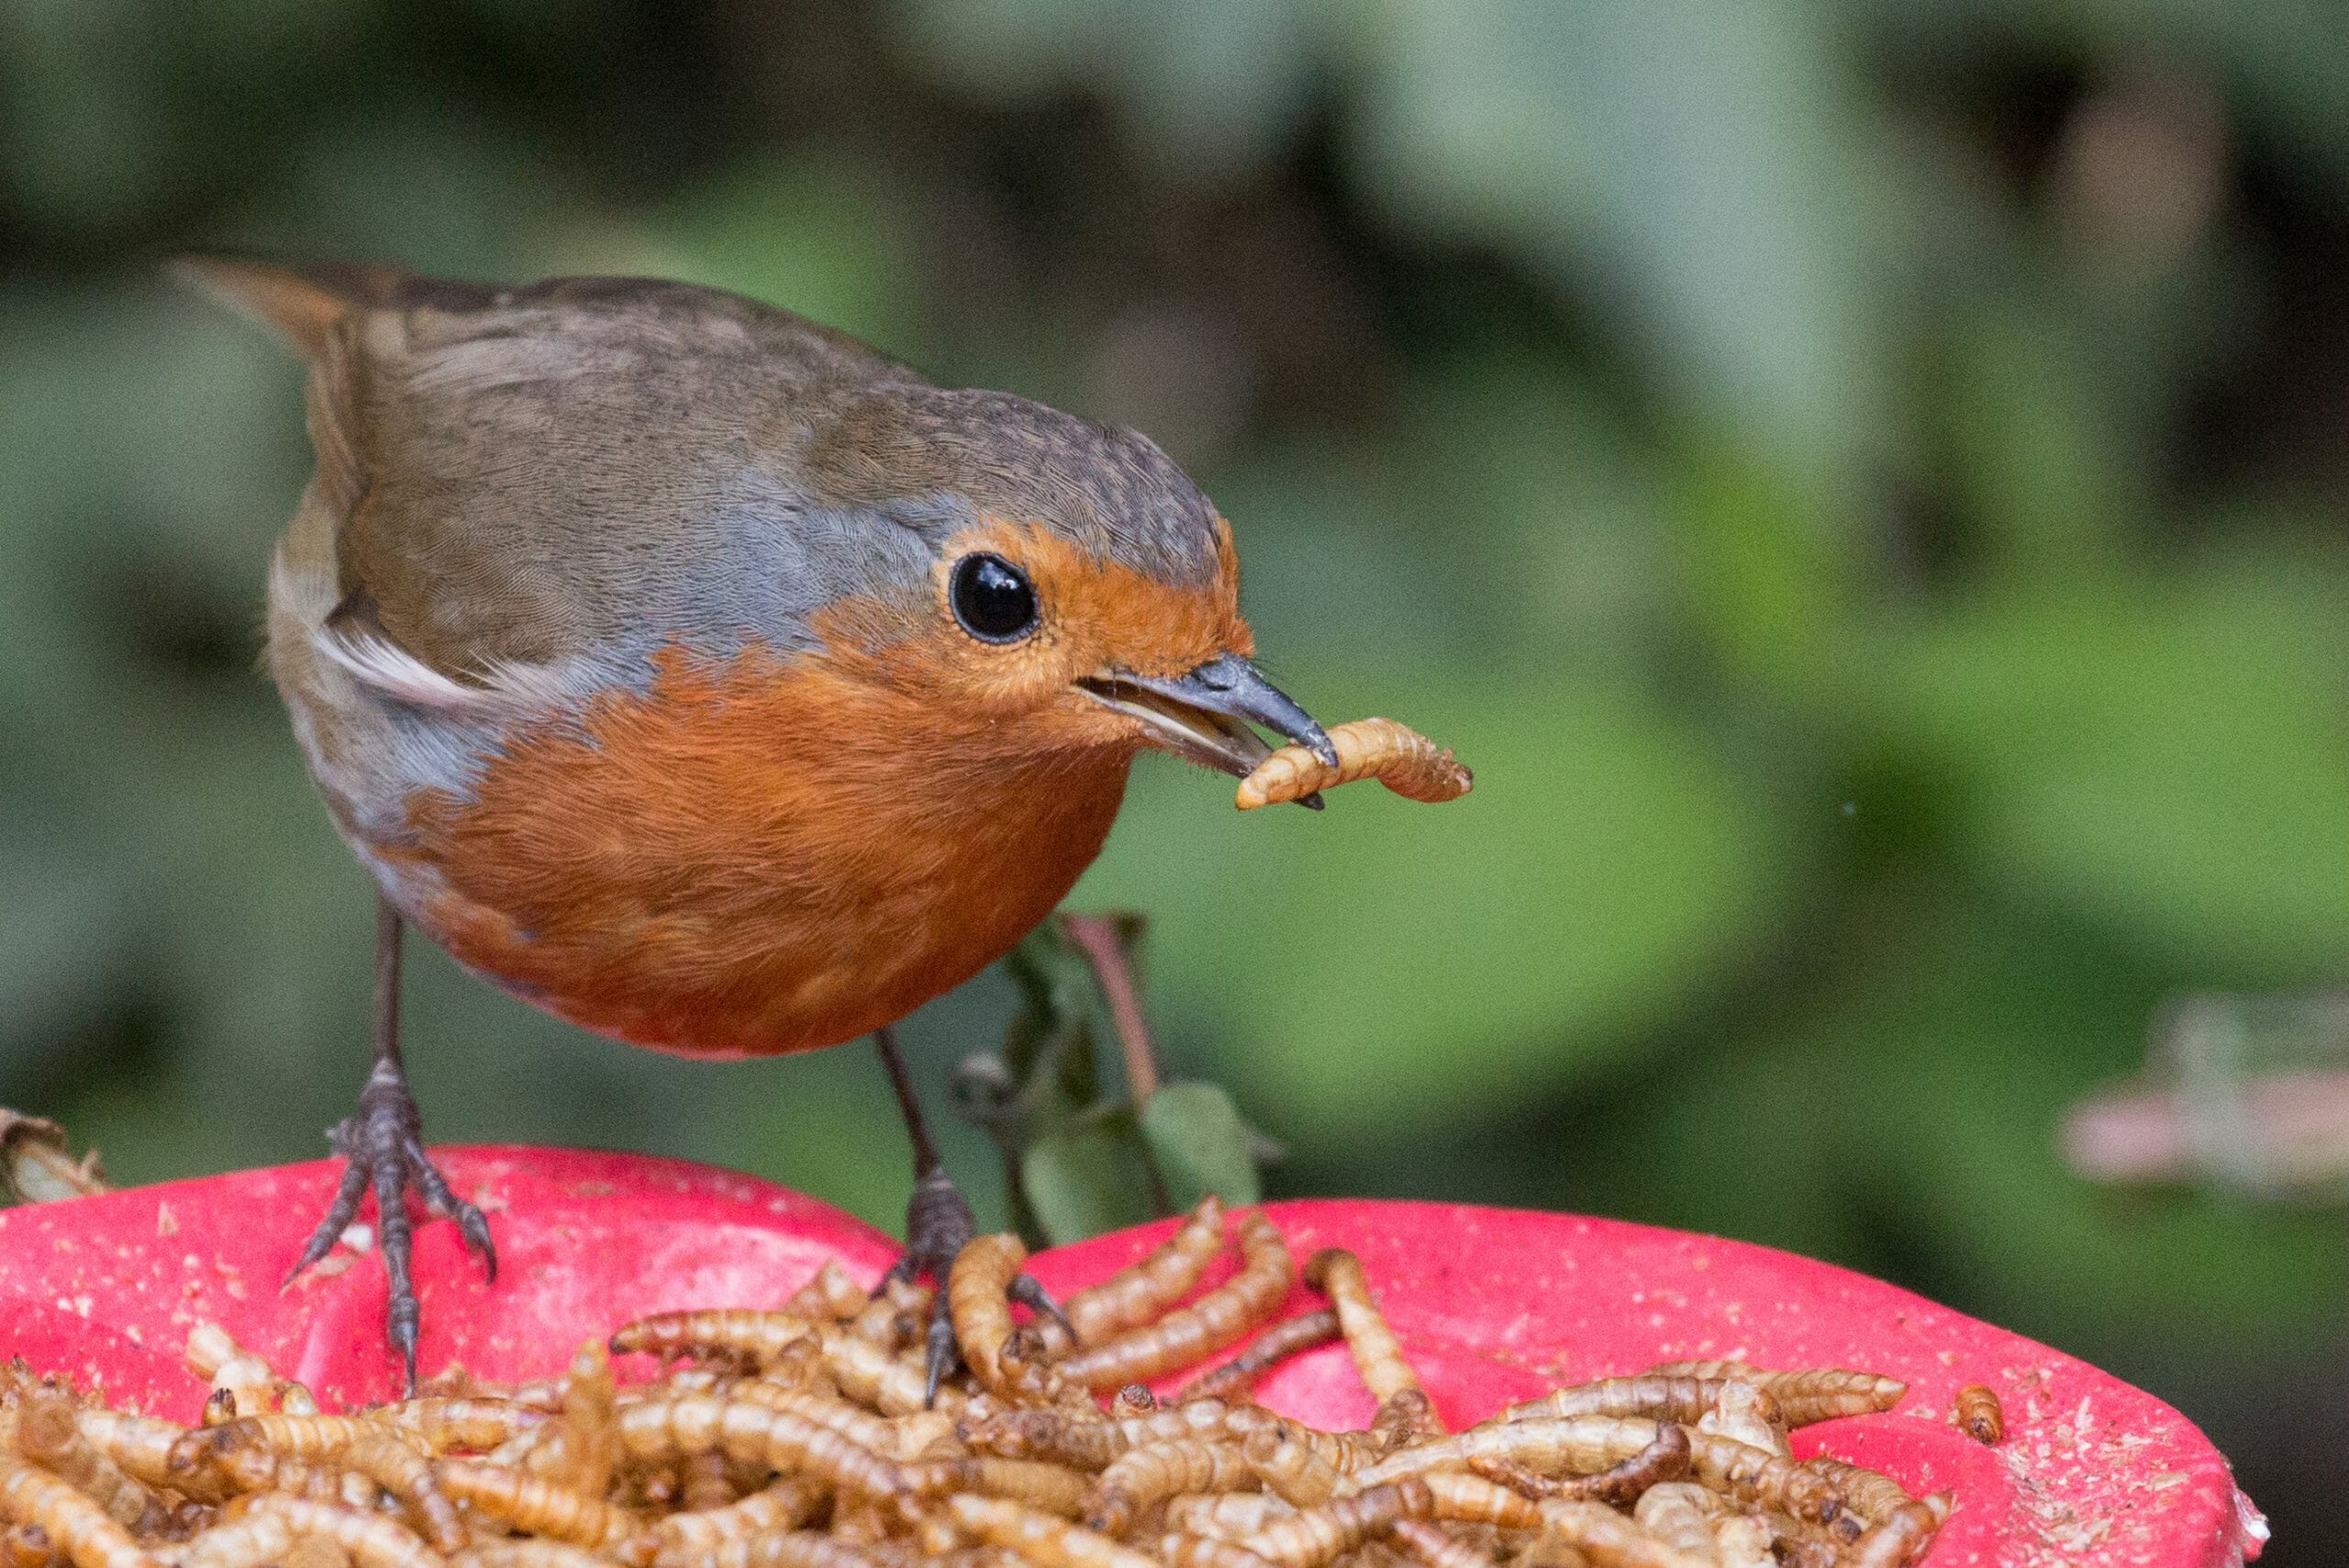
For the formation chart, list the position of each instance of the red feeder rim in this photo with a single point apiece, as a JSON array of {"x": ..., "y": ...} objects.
[{"x": 1492, "y": 1305}]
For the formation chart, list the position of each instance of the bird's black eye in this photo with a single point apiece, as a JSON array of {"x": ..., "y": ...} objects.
[{"x": 992, "y": 599}]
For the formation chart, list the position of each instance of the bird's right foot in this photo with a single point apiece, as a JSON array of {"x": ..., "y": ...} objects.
[{"x": 383, "y": 1142}]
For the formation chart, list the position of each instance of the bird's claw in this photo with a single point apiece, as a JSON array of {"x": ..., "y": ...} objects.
[{"x": 383, "y": 1144}]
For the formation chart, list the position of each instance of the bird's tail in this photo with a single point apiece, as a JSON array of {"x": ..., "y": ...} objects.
[{"x": 303, "y": 304}]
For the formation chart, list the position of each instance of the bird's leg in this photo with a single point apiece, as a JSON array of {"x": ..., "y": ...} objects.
[
  {"x": 939, "y": 1224},
  {"x": 383, "y": 1142}
]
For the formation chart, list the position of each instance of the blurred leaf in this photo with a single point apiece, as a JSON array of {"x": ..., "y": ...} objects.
[
  {"x": 1200, "y": 1145},
  {"x": 1089, "y": 1177},
  {"x": 2164, "y": 754}
]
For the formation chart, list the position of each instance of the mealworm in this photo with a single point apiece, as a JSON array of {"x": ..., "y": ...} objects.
[
  {"x": 1610, "y": 1541},
  {"x": 525, "y": 1555},
  {"x": 76, "y": 1526},
  {"x": 1805, "y": 1395},
  {"x": 1042, "y": 1540},
  {"x": 299, "y": 1437},
  {"x": 738, "y": 1332},
  {"x": 234, "y": 1371},
  {"x": 246, "y": 1542},
  {"x": 1754, "y": 1475},
  {"x": 1428, "y": 1544},
  {"x": 978, "y": 1300},
  {"x": 878, "y": 1433},
  {"x": 1378, "y": 1355},
  {"x": 682, "y": 1539},
  {"x": 1868, "y": 1495},
  {"x": 1184, "y": 1335},
  {"x": 1143, "y": 1476},
  {"x": 1463, "y": 1498},
  {"x": 1664, "y": 1459},
  {"x": 1741, "y": 1541},
  {"x": 1228, "y": 1516},
  {"x": 703, "y": 1481},
  {"x": 50, "y": 1434},
  {"x": 695, "y": 1423},
  {"x": 1978, "y": 1414},
  {"x": 1405, "y": 1417},
  {"x": 1181, "y": 1550},
  {"x": 1290, "y": 1337},
  {"x": 1680, "y": 1514},
  {"x": 535, "y": 1503},
  {"x": 142, "y": 1445},
  {"x": 1901, "y": 1536},
  {"x": 408, "y": 1476},
  {"x": 829, "y": 1294},
  {"x": 461, "y": 1422},
  {"x": 893, "y": 1318},
  {"x": 1067, "y": 1438},
  {"x": 866, "y": 1371},
  {"x": 1145, "y": 1289},
  {"x": 1047, "y": 1488},
  {"x": 1290, "y": 1467},
  {"x": 249, "y": 1468},
  {"x": 1311, "y": 1537},
  {"x": 591, "y": 1438},
  {"x": 784, "y": 1548},
  {"x": 1580, "y": 1444},
  {"x": 372, "y": 1541},
  {"x": 1657, "y": 1398},
  {"x": 1396, "y": 756},
  {"x": 28, "y": 1546},
  {"x": 1744, "y": 1412},
  {"x": 1133, "y": 1399}
]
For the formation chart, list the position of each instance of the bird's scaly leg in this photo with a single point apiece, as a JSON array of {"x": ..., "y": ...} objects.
[
  {"x": 939, "y": 1224},
  {"x": 383, "y": 1142}
]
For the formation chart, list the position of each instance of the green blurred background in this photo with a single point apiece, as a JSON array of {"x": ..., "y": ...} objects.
[{"x": 1861, "y": 481}]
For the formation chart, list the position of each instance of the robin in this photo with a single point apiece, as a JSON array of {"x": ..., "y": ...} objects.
[{"x": 705, "y": 678}]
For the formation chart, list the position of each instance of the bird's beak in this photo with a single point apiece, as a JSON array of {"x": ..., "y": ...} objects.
[{"x": 1205, "y": 715}]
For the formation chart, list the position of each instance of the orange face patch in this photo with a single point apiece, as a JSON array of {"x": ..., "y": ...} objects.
[{"x": 767, "y": 853}]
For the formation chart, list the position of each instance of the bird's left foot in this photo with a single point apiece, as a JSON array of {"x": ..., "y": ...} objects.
[
  {"x": 383, "y": 1142},
  {"x": 939, "y": 1224}
]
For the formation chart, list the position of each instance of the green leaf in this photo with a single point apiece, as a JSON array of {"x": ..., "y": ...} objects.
[
  {"x": 1089, "y": 1177},
  {"x": 1201, "y": 1144}
]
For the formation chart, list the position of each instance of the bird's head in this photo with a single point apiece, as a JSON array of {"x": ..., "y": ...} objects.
[{"x": 1057, "y": 578}]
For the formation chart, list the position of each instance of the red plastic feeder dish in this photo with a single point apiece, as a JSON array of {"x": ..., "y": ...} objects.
[{"x": 1493, "y": 1306}]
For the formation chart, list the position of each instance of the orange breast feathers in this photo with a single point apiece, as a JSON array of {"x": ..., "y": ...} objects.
[{"x": 760, "y": 855}]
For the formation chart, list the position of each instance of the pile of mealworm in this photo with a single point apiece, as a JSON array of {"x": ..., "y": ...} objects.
[{"x": 805, "y": 1438}]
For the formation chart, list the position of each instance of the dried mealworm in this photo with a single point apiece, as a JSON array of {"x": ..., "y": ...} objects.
[
  {"x": 1749, "y": 1475},
  {"x": 372, "y": 1541},
  {"x": 1580, "y": 1445},
  {"x": 1041, "y": 1539},
  {"x": 1291, "y": 1337},
  {"x": 1145, "y": 1476},
  {"x": 1463, "y": 1498},
  {"x": 977, "y": 1298},
  {"x": 740, "y": 1333},
  {"x": 1429, "y": 1545},
  {"x": 1378, "y": 1355},
  {"x": 591, "y": 1438},
  {"x": 1227, "y": 1515},
  {"x": 679, "y": 1541},
  {"x": 142, "y": 1445},
  {"x": 1217, "y": 1318},
  {"x": 50, "y": 1434},
  {"x": 1744, "y": 1412},
  {"x": 1395, "y": 755},
  {"x": 462, "y": 1423},
  {"x": 1144, "y": 1290},
  {"x": 1311, "y": 1537},
  {"x": 1680, "y": 1514},
  {"x": 1290, "y": 1467},
  {"x": 535, "y": 1503},
  {"x": 76, "y": 1525},
  {"x": 1901, "y": 1536},
  {"x": 828, "y": 1295},
  {"x": 1978, "y": 1415},
  {"x": 1610, "y": 1541}
]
